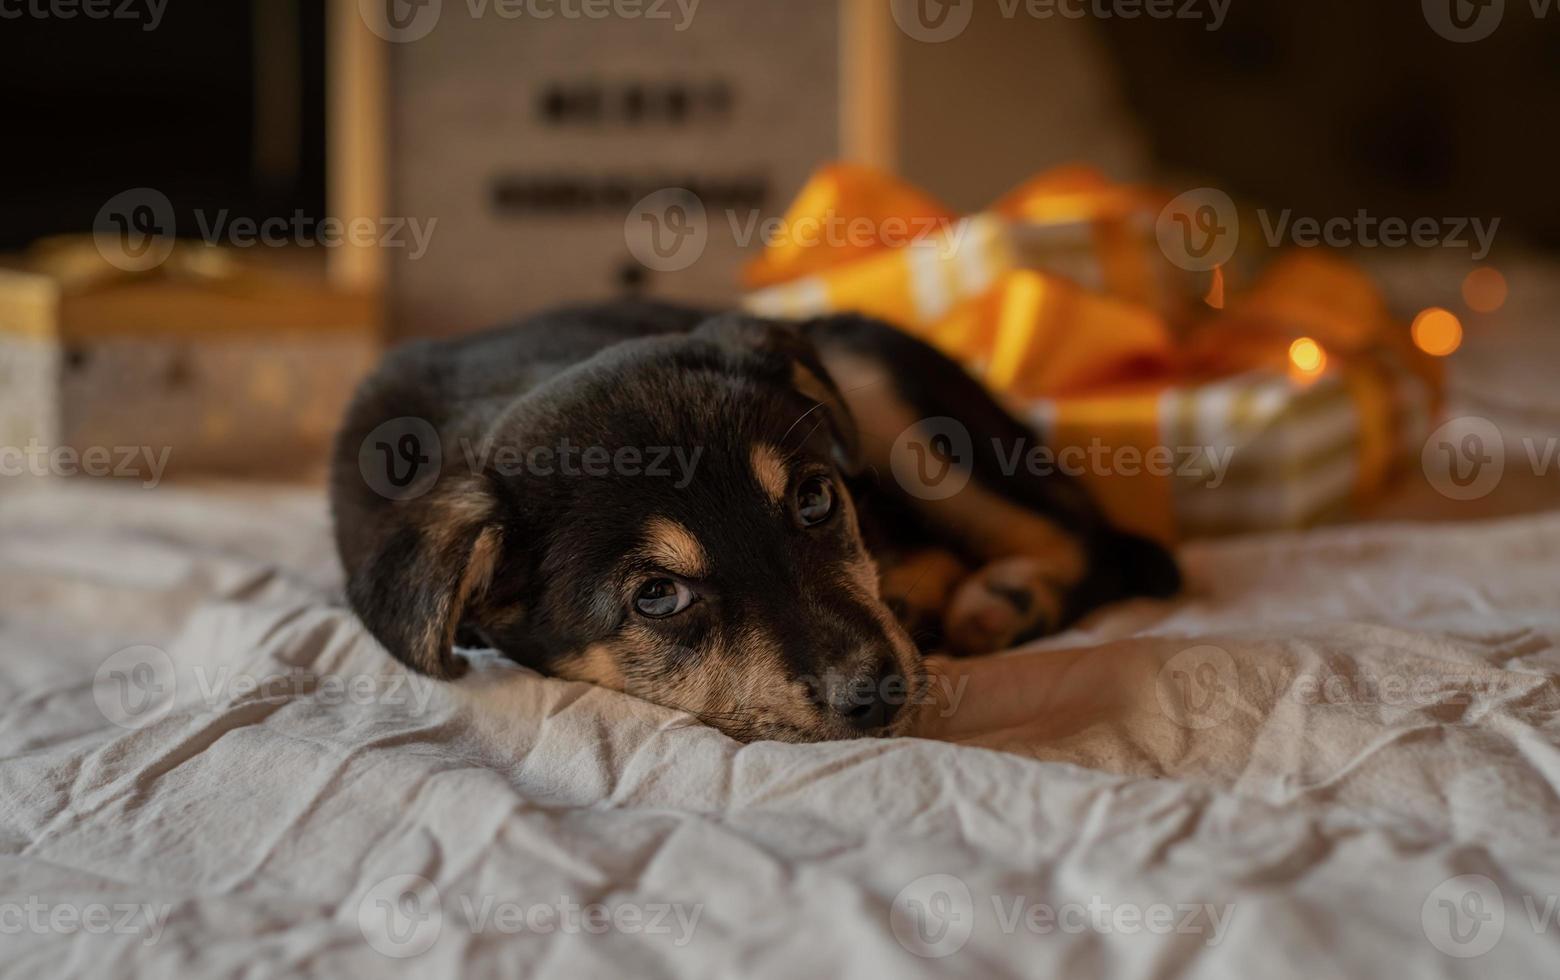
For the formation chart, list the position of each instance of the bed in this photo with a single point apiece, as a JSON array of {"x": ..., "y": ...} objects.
[{"x": 1337, "y": 756}]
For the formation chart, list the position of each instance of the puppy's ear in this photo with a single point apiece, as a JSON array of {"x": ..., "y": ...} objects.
[
  {"x": 780, "y": 351},
  {"x": 418, "y": 568}
]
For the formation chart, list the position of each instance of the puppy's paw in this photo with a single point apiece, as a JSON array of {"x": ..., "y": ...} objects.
[{"x": 1009, "y": 600}]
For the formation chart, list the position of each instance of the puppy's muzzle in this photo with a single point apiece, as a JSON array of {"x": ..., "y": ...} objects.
[{"x": 869, "y": 701}]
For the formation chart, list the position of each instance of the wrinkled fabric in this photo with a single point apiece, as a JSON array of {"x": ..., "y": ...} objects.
[{"x": 1338, "y": 755}]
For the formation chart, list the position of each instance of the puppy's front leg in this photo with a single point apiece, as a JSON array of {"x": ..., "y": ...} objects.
[{"x": 1042, "y": 551}]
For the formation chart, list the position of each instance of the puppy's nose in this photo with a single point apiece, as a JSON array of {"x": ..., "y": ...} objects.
[{"x": 871, "y": 702}]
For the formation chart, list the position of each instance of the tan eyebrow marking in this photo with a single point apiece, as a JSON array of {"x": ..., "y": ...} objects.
[
  {"x": 674, "y": 548},
  {"x": 770, "y": 472},
  {"x": 809, "y": 384}
]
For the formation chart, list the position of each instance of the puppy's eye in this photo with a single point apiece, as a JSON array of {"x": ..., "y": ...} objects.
[
  {"x": 663, "y": 597},
  {"x": 814, "y": 500}
]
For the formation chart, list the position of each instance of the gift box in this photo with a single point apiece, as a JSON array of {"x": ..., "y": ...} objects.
[
  {"x": 1193, "y": 398},
  {"x": 202, "y": 363}
]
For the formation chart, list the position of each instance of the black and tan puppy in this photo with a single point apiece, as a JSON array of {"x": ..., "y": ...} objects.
[{"x": 745, "y": 519}]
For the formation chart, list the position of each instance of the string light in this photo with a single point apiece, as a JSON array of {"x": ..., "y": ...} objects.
[
  {"x": 1307, "y": 357},
  {"x": 1484, "y": 289},
  {"x": 1437, "y": 332}
]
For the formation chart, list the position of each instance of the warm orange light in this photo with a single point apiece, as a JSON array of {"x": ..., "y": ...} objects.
[
  {"x": 1484, "y": 289},
  {"x": 1437, "y": 332},
  {"x": 1215, "y": 295},
  {"x": 1307, "y": 356}
]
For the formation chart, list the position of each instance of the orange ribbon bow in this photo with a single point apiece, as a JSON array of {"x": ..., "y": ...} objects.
[{"x": 1058, "y": 298}]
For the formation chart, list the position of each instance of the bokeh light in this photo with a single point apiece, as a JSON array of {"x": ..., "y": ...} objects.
[
  {"x": 1484, "y": 289},
  {"x": 1307, "y": 357},
  {"x": 1437, "y": 331}
]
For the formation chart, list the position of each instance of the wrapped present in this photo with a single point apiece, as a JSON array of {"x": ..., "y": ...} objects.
[
  {"x": 1192, "y": 401},
  {"x": 203, "y": 363}
]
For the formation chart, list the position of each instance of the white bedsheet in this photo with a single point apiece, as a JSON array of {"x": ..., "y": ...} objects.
[{"x": 1339, "y": 756}]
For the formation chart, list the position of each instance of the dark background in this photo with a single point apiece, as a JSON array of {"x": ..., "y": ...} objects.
[
  {"x": 98, "y": 106},
  {"x": 1326, "y": 106}
]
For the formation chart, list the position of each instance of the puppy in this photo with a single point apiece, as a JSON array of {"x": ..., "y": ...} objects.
[{"x": 761, "y": 523}]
